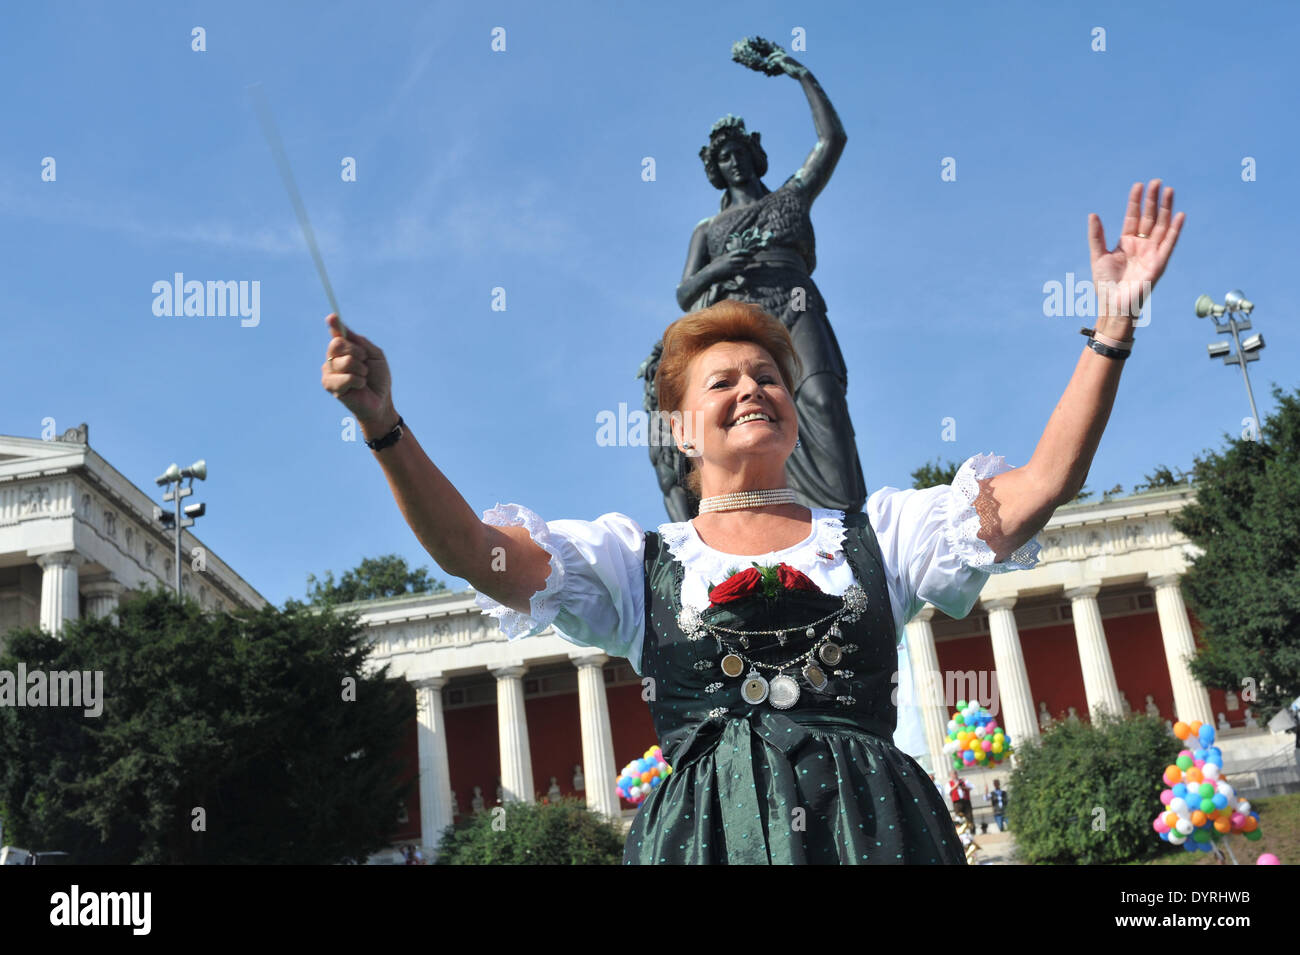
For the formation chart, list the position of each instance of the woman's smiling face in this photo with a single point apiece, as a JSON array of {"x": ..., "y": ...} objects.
[{"x": 736, "y": 405}]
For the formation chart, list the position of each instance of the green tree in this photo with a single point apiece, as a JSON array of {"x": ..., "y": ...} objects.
[
  {"x": 1085, "y": 793},
  {"x": 931, "y": 475},
  {"x": 1245, "y": 586},
  {"x": 268, "y": 721},
  {"x": 1163, "y": 477},
  {"x": 373, "y": 578},
  {"x": 564, "y": 832}
]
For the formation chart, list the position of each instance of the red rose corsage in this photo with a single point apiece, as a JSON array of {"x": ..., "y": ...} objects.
[{"x": 769, "y": 581}]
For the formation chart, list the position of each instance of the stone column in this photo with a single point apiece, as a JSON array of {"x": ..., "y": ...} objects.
[
  {"x": 1014, "y": 694},
  {"x": 101, "y": 598},
  {"x": 512, "y": 730},
  {"x": 927, "y": 679},
  {"x": 435, "y": 771},
  {"x": 1191, "y": 699},
  {"x": 1094, "y": 656},
  {"x": 59, "y": 594},
  {"x": 598, "y": 766}
]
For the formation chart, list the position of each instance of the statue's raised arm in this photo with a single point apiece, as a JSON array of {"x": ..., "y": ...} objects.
[{"x": 766, "y": 57}]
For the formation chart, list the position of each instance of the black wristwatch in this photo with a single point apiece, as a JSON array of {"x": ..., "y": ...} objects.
[{"x": 389, "y": 439}]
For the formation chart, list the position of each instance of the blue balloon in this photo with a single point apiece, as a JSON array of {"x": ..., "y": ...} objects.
[
  {"x": 1198, "y": 754},
  {"x": 1220, "y": 801},
  {"x": 655, "y": 781},
  {"x": 1180, "y": 790},
  {"x": 1206, "y": 734}
]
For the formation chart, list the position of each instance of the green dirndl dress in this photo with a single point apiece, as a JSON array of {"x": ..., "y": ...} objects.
[{"x": 819, "y": 783}]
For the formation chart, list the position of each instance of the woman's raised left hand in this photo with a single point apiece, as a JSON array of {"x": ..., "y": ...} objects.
[{"x": 1123, "y": 277}]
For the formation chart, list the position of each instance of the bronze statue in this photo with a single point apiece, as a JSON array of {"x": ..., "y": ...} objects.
[{"x": 759, "y": 248}]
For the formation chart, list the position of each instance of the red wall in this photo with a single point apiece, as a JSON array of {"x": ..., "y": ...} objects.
[
  {"x": 555, "y": 741},
  {"x": 473, "y": 753},
  {"x": 1055, "y": 674},
  {"x": 634, "y": 731},
  {"x": 1137, "y": 653}
]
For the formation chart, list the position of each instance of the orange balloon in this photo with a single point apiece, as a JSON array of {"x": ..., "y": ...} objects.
[
  {"x": 1195, "y": 727},
  {"x": 1250, "y": 825},
  {"x": 1171, "y": 819},
  {"x": 1222, "y": 825},
  {"x": 1193, "y": 775},
  {"x": 1198, "y": 818},
  {"x": 1182, "y": 730}
]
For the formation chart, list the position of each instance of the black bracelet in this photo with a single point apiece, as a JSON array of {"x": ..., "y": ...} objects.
[
  {"x": 1119, "y": 354},
  {"x": 389, "y": 439}
]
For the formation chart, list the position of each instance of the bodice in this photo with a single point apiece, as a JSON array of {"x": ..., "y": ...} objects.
[{"x": 692, "y": 698}]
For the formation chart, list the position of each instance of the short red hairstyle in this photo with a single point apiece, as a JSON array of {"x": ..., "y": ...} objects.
[{"x": 725, "y": 321}]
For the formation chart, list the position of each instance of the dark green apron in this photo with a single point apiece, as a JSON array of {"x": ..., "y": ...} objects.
[{"x": 821, "y": 782}]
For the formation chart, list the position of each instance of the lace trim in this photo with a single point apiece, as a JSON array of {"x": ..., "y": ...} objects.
[
  {"x": 964, "y": 523},
  {"x": 545, "y": 604},
  {"x": 685, "y": 545}
]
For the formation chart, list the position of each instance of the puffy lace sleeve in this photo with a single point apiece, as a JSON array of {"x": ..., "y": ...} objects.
[
  {"x": 594, "y": 595},
  {"x": 930, "y": 545}
]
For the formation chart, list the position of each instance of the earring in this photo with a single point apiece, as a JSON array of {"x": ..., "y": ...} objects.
[
  {"x": 798, "y": 442},
  {"x": 687, "y": 446}
]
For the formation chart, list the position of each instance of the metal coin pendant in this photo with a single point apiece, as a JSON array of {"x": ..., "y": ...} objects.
[
  {"x": 754, "y": 689},
  {"x": 829, "y": 654},
  {"x": 815, "y": 676},
  {"x": 732, "y": 665},
  {"x": 784, "y": 692}
]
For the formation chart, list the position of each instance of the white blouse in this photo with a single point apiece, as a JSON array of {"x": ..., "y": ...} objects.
[{"x": 595, "y": 592}]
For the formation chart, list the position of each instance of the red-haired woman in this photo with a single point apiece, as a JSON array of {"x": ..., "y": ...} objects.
[{"x": 772, "y": 687}]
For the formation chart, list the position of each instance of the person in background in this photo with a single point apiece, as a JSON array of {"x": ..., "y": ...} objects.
[
  {"x": 998, "y": 799},
  {"x": 937, "y": 785},
  {"x": 959, "y": 793}
]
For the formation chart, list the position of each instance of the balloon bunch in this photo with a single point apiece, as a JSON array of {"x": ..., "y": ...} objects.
[
  {"x": 642, "y": 775},
  {"x": 974, "y": 737},
  {"x": 1200, "y": 806}
]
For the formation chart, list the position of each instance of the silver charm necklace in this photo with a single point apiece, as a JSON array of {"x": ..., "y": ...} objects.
[{"x": 782, "y": 691}]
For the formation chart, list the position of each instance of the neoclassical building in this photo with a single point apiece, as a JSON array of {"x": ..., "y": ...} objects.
[
  {"x": 75, "y": 536},
  {"x": 1099, "y": 622}
]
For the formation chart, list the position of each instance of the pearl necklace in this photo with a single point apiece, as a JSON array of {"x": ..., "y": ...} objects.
[{"x": 741, "y": 499}]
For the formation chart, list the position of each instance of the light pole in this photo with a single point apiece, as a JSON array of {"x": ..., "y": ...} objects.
[
  {"x": 174, "y": 475},
  {"x": 1234, "y": 304}
]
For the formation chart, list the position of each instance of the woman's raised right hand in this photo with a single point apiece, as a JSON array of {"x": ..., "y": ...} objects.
[{"x": 356, "y": 372}]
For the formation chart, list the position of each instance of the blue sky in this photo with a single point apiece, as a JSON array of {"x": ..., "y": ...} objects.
[{"x": 522, "y": 170}]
